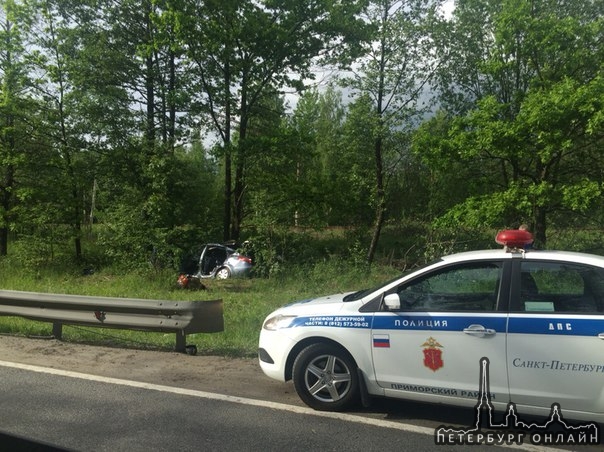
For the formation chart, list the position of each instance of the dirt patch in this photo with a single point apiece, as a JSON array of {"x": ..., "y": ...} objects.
[{"x": 240, "y": 377}]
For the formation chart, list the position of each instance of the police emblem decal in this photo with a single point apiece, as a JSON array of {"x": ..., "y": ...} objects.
[{"x": 433, "y": 359}]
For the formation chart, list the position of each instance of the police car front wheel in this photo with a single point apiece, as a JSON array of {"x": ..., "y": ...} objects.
[{"x": 326, "y": 378}]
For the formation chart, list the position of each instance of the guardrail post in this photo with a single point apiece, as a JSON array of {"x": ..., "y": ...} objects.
[
  {"x": 57, "y": 330},
  {"x": 181, "y": 341}
]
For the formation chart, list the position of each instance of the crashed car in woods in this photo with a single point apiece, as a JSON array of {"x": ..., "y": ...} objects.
[{"x": 213, "y": 260}]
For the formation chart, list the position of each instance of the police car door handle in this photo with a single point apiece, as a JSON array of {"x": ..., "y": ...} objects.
[{"x": 479, "y": 331}]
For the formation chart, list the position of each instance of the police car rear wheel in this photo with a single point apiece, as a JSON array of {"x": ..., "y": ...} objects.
[{"x": 325, "y": 377}]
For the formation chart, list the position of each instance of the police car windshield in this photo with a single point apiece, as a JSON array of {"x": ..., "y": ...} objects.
[{"x": 364, "y": 292}]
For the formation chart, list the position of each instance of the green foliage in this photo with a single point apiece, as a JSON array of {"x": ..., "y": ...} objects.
[
  {"x": 276, "y": 250},
  {"x": 106, "y": 109},
  {"x": 246, "y": 302},
  {"x": 526, "y": 127},
  {"x": 357, "y": 250},
  {"x": 133, "y": 243},
  {"x": 267, "y": 251},
  {"x": 260, "y": 48},
  {"x": 313, "y": 265},
  {"x": 579, "y": 239}
]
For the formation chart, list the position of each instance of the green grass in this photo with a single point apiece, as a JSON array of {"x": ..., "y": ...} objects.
[{"x": 246, "y": 302}]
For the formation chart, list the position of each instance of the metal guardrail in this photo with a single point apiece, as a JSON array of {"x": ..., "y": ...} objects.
[{"x": 179, "y": 317}]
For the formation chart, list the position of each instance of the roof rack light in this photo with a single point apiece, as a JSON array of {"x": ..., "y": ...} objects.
[{"x": 514, "y": 238}]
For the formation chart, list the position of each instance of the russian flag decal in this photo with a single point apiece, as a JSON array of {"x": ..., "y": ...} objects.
[{"x": 381, "y": 340}]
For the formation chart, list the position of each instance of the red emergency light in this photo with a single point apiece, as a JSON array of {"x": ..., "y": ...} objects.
[{"x": 514, "y": 238}]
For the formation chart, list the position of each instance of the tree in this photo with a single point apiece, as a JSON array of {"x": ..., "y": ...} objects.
[
  {"x": 14, "y": 99},
  {"x": 298, "y": 174},
  {"x": 60, "y": 130},
  {"x": 523, "y": 86},
  {"x": 241, "y": 51},
  {"x": 398, "y": 65},
  {"x": 129, "y": 103}
]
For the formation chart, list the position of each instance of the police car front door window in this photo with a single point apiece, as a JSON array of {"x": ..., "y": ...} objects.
[
  {"x": 464, "y": 287},
  {"x": 561, "y": 287}
]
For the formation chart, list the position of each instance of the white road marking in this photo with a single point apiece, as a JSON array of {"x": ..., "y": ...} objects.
[{"x": 245, "y": 401}]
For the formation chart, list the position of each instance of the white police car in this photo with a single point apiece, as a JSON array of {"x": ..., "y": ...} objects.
[{"x": 538, "y": 316}]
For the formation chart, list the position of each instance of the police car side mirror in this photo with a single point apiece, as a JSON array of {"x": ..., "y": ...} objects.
[{"x": 392, "y": 302}]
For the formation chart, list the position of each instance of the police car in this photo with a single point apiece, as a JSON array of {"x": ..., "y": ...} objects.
[{"x": 537, "y": 316}]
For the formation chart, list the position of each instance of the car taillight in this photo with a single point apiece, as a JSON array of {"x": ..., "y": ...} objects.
[{"x": 245, "y": 259}]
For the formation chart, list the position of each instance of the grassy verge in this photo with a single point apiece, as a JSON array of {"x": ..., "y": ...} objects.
[{"x": 246, "y": 302}]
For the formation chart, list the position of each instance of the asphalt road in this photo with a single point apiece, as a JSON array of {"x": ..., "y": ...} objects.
[
  {"x": 76, "y": 414},
  {"x": 68, "y": 412},
  {"x": 84, "y": 397}
]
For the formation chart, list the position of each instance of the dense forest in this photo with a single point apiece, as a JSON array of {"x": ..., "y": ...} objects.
[{"x": 131, "y": 131}]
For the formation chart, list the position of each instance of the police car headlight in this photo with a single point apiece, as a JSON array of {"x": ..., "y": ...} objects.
[{"x": 279, "y": 321}]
